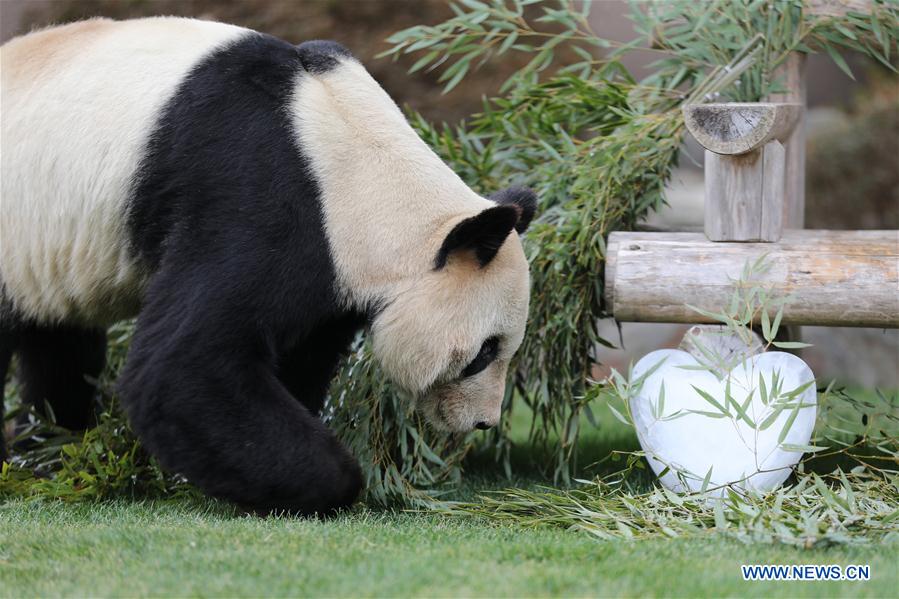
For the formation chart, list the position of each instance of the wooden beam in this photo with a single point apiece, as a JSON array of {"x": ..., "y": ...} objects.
[{"x": 837, "y": 278}]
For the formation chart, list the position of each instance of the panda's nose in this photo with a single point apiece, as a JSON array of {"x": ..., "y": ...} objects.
[{"x": 482, "y": 426}]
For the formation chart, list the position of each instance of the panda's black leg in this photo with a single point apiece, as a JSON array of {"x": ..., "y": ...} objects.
[
  {"x": 306, "y": 369},
  {"x": 201, "y": 391},
  {"x": 57, "y": 365},
  {"x": 7, "y": 345}
]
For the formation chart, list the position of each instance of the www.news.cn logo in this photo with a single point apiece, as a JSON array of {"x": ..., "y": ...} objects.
[{"x": 806, "y": 572}]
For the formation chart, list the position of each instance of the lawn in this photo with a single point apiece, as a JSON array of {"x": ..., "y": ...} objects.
[
  {"x": 178, "y": 548},
  {"x": 195, "y": 547}
]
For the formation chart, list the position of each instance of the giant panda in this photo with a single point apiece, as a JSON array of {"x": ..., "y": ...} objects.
[{"x": 255, "y": 204}]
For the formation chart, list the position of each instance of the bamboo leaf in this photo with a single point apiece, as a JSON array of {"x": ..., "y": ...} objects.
[
  {"x": 839, "y": 60},
  {"x": 707, "y": 397},
  {"x": 791, "y": 344}
]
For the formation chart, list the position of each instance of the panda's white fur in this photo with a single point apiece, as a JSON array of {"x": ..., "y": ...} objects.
[
  {"x": 368, "y": 157},
  {"x": 69, "y": 177},
  {"x": 385, "y": 189}
]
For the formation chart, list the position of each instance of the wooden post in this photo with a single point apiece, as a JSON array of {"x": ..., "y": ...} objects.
[
  {"x": 744, "y": 167},
  {"x": 749, "y": 193},
  {"x": 792, "y": 74}
]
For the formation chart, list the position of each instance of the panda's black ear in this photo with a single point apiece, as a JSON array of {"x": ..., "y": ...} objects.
[
  {"x": 524, "y": 198},
  {"x": 483, "y": 233},
  {"x": 320, "y": 56}
]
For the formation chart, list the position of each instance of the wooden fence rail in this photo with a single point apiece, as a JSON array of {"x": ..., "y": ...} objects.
[{"x": 836, "y": 278}]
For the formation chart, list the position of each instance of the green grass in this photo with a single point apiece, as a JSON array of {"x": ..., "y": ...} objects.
[
  {"x": 190, "y": 547},
  {"x": 178, "y": 548}
]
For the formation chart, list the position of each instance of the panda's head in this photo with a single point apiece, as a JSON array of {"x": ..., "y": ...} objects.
[{"x": 449, "y": 334}]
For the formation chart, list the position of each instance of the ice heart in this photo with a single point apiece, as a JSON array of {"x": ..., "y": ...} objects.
[{"x": 746, "y": 427}]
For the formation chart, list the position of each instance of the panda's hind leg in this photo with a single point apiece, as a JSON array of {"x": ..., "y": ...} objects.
[
  {"x": 7, "y": 344},
  {"x": 57, "y": 367}
]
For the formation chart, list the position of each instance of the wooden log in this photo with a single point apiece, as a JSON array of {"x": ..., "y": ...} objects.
[
  {"x": 740, "y": 127},
  {"x": 837, "y": 278}
]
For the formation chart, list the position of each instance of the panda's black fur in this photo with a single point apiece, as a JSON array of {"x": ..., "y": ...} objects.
[
  {"x": 253, "y": 288},
  {"x": 240, "y": 326}
]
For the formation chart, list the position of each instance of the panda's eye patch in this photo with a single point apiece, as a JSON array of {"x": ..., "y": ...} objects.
[{"x": 487, "y": 354}]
